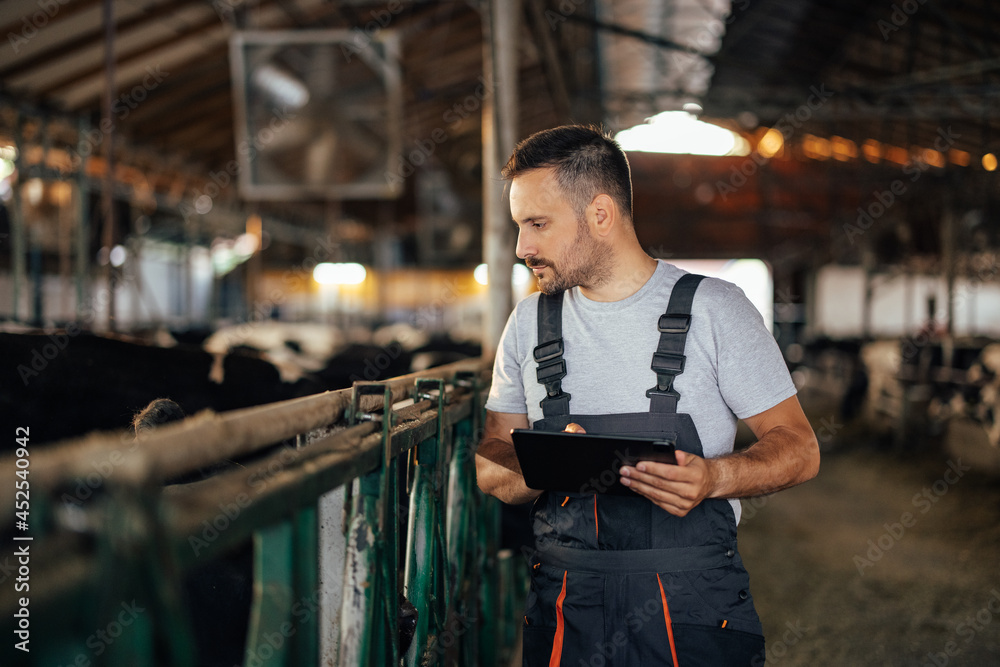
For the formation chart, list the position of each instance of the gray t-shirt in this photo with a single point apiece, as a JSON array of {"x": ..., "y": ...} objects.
[{"x": 734, "y": 368}]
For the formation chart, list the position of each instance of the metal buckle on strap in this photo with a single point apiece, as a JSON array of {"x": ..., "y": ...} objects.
[
  {"x": 554, "y": 370},
  {"x": 669, "y": 392},
  {"x": 674, "y": 324},
  {"x": 557, "y": 402},
  {"x": 668, "y": 362},
  {"x": 547, "y": 351}
]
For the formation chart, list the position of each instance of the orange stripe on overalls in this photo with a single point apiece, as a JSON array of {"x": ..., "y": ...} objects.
[
  {"x": 557, "y": 641},
  {"x": 670, "y": 625}
]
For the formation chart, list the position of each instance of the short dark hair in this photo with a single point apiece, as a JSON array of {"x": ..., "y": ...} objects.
[
  {"x": 587, "y": 162},
  {"x": 160, "y": 411}
]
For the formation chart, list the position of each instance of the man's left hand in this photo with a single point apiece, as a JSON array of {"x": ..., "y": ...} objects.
[{"x": 676, "y": 488}]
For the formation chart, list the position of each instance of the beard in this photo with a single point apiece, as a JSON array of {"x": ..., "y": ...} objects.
[{"x": 589, "y": 267}]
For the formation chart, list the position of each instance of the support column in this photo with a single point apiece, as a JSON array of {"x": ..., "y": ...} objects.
[
  {"x": 108, "y": 126},
  {"x": 499, "y": 118},
  {"x": 948, "y": 260},
  {"x": 18, "y": 246},
  {"x": 83, "y": 223}
]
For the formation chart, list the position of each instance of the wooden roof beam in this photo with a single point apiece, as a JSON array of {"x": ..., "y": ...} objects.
[
  {"x": 66, "y": 11},
  {"x": 92, "y": 37}
]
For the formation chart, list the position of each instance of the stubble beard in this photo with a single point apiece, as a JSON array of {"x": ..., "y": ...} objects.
[{"x": 592, "y": 269}]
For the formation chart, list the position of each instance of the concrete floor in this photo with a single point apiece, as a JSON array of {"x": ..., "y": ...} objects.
[{"x": 886, "y": 560}]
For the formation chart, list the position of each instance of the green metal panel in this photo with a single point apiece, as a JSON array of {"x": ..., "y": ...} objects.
[
  {"x": 305, "y": 608},
  {"x": 271, "y": 626},
  {"x": 121, "y": 570}
]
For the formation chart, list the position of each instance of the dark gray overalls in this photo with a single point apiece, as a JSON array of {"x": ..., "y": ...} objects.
[{"x": 615, "y": 579}]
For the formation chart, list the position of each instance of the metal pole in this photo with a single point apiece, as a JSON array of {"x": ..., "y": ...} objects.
[
  {"x": 108, "y": 126},
  {"x": 948, "y": 260},
  {"x": 499, "y": 136},
  {"x": 83, "y": 226},
  {"x": 948, "y": 253},
  {"x": 17, "y": 246}
]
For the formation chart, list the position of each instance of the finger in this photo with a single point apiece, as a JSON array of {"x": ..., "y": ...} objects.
[
  {"x": 573, "y": 427},
  {"x": 650, "y": 472},
  {"x": 666, "y": 500},
  {"x": 686, "y": 487}
]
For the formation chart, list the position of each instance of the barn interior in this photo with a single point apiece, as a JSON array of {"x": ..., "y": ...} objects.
[{"x": 252, "y": 206}]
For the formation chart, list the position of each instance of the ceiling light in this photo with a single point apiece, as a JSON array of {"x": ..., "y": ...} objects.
[
  {"x": 339, "y": 274},
  {"x": 681, "y": 132},
  {"x": 520, "y": 276},
  {"x": 771, "y": 143},
  {"x": 117, "y": 256}
]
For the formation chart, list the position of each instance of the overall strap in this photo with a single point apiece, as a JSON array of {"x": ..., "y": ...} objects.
[
  {"x": 549, "y": 355},
  {"x": 668, "y": 360}
]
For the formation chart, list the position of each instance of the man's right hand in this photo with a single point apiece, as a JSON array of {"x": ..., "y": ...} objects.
[
  {"x": 573, "y": 427},
  {"x": 498, "y": 472}
]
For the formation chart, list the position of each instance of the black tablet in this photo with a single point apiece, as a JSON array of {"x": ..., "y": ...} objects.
[{"x": 582, "y": 462}]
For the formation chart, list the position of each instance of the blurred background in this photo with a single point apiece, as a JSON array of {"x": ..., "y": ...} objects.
[{"x": 233, "y": 202}]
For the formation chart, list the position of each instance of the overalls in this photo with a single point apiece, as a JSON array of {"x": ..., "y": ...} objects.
[{"x": 615, "y": 579}]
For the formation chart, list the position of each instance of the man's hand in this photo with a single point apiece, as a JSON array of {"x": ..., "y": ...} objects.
[
  {"x": 497, "y": 471},
  {"x": 786, "y": 453},
  {"x": 676, "y": 488}
]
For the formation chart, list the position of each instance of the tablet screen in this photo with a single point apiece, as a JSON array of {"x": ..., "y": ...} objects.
[{"x": 583, "y": 462}]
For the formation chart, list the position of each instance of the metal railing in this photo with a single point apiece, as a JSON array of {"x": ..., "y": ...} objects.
[{"x": 344, "y": 504}]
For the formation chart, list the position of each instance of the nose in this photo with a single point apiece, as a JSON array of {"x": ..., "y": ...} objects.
[{"x": 523, "y": 249}]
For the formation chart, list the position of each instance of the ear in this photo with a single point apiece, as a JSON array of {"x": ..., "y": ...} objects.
[{"x": 602, "y": 215}]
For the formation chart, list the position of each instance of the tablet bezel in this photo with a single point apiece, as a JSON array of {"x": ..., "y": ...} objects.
[{"x": 584, "y": 462}]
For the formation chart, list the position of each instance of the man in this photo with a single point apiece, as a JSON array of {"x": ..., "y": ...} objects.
[{"x": 655, "y": 578}]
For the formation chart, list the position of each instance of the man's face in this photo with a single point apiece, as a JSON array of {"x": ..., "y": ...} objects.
[{"x": 554, "y": 243}]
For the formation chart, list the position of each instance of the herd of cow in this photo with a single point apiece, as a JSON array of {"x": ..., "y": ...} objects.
[
  {"x": 69, "y": 382},
  {"x": 66, "y": 383},
  {"x": 941, "y": 394}
]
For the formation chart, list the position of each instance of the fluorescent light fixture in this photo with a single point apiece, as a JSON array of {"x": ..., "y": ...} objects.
[
  {"x": 245, "y": 245},
  {"x": 522, "y": 275},
  {"x": 519, "y": 277},
  {"x": 682, "y": 132},
  {"x": 339, "y": 274},
  {"x": 751, "y": 275},
  {"x": 480, "y": 275},
  {"x": 117, "y": 256}
]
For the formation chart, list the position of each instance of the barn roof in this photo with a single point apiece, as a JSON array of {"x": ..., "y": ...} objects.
[{"x": 900, "y": 74}]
